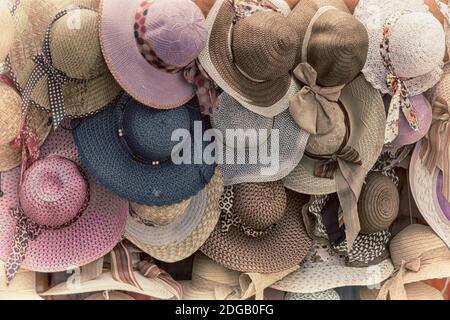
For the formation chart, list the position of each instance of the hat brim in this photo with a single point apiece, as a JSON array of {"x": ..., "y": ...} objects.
[
  {"x": 92, "y": 236},
  {"x": 142, "y": 81},
  {"x": 424, "y": 191},
  {"x": 267, "y": 98},
  {"x": 367, "y": 118},
  {"x": 281, "y": 248},
  {"x": 7, "y": 27}
]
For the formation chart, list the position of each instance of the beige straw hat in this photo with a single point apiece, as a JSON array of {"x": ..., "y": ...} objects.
[
  {"x": 7, "y": 28},
  {"x": 187, "y": 233},
  {"x": 74, "y": 51},
  {"x": 110, "y": 295},
  {"x": 160, "y": 216},
  {"x": 22, "y": 288},
  {"x": 10, "y": 123},
  {"x": 417, "y": 254},
  {"x": 414, "y": 291},
  {"x": 255, "y": 70}
]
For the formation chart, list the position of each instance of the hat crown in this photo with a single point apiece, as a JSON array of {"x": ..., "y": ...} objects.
[
  {"x": 259, "y": 205},
  {"x": 10, "y": 113},
  {"x": 175, "y": 30},
  {"x": 417, "y": 44},
  {"x": 75, "y": 45},
  {"x": 53, "y": 192},
  {"x": 160, "y": 215},
  {"x": 148, "y": 132}
]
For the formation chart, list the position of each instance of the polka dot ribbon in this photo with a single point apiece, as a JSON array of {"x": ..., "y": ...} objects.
[
  {"x": 55, "y": 78},
  {"x": 400, "y": 93}
]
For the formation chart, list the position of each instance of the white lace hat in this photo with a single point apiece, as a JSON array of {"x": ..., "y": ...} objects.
[{"x": 417, "y": 43}]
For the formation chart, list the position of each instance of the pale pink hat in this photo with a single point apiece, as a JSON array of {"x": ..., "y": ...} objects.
[
  {"x": 148, "y": 43},
  {"x": 83, "y": 221}
]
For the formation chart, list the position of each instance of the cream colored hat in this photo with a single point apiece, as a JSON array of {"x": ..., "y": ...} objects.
[
  {"x": 109, "y": 295},
  {"x": 414, "y": 291},
  {"x": 22, "y": 288},
  {"x": 7, "y": 30}
]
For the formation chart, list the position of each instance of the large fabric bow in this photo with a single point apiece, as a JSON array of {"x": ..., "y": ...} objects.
[
  {"x": 313, "y": 107},
  {"x": 395, "y": 287}
]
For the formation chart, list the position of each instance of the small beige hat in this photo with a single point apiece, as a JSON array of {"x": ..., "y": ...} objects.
[
  {"x": 7, "y": 28},
  {"x": 414, "y": 291},
  {"x": 22, "y": 288}
]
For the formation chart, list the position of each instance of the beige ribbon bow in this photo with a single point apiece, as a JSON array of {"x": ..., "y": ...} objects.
[
  {"x": 435, "y": 151},
  {"x": 313, "y": 107}
]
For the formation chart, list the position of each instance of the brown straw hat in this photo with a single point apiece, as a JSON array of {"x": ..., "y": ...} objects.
[
  {"x": 334, "y": 43},
  {"x": 74, "y": 54},
  {"x": 414, "y": 291},
  {"x": 10, "y": 123},
  {"x": 378, "y": 203},
  {"x": 261, "y": 229},
  {"x": 255, "y": 70},
  {"x": 417, "y": 254},
  {"x": 7, "y": 27}
]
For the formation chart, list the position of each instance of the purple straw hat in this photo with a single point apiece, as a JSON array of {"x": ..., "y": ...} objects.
[
  {"x": 406, "y": 135},
  {"x": 151, "y": 47},
  {"x": 59, "y": 217}
]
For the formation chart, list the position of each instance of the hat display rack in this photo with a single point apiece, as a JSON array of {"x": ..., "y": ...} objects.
[{"x": 225, "y": 149}]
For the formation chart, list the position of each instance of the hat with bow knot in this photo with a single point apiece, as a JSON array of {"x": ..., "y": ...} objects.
[
  {"x": 56, "y": 61},
  {"x": 339, "y": 160},
  {"x": 7, "y": 27},
  {"x": 417, "y": 254}
]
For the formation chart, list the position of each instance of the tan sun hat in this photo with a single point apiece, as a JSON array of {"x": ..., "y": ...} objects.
[
  {"x": 186, "y": 234},
  {"x": 110, "y": 295},
  {"x": 10, "y": 123},
  {"x": 71, "y": 51},
  {"x": 7, "y": 27},
  {"x": 255, "y": 70},
  {"x": 22, "y": 288},
  {"x": 414, "y": 291},
  {"x": 160, "y": 216}
]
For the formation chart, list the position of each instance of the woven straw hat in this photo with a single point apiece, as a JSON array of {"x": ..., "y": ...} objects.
[
  {"x": 188, "y": 233},
  {"x": 22, "y": 288},
  {"x": 7, "y": 27},
  {"x": 378, "y": 204},
  {"x": 323, "y": 269},
  {"x": 334, "y": 43},
  {"x": 75, "y": 51},
  {"x": 322, "y": 295},
  {"x": 291, "y": 142},
  {"x": 417, "y": 43},
  {"x": 414, "y": 291},
  {"x": 261, "y": 229},
  {"x": 89, "y": 220},
  {"x": 254, "y": 70},
  {"x": 160, "y": 216},
  {"x": 110, "y": 295},
  {"x": 10, "y": 123}
]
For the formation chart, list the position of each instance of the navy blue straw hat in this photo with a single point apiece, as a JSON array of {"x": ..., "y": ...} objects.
[{"x": 128, "y": 149}]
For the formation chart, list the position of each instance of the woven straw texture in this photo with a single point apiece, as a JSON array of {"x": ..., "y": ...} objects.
[
  {"x": 322, "y": 295},
  {"x": 267, "y": 98},
  {"x": 291, "y": 143},
  {"x": 424, "y": 191},
  {"x": 442, "y": 88},
  {"x": 417, "y": 43},
  {"x": 177, "y": 251},
  {"x": 323, "y": 269},
  {"x": 22, "y": 288},
  {"x": 93, "y": 235},
  {"x": 7, "y": 27},
  {"x": 365, "y": 108},
  {"x": 378, "y": 204},
  {"x": 75, "y": 51},
  {"x": 414, "y": 291},
  {"x": 280, "y": 248},
  {"x": 160, "y": 216}
]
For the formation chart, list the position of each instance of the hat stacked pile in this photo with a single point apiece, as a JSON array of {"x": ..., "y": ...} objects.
[{"x": 224, "y": 149}]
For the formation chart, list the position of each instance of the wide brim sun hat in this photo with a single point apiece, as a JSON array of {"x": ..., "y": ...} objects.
[
  {"x": 96, "y": 231},
  {"x": 22, "y": 288},
  {"x": 414, "y": 291},
  {"x": 7, "y": 27},
  {"x": 267, "y": 98},
  {"x": 183, "y": 237},
  {"x": 128, "y": 149},
  {"x": 416, "y": 28},
  {"x": 290, "y": 142},
  {"x": 75, "y": 52},
  {"x": 107, "y": 295}
]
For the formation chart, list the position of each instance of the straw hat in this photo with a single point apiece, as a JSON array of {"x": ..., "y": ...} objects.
[
  {"x": 323, "y": 269},
  {"x": 254, "y": 70},
  {"x": 414, "y": 291},
  {"x": 74, "y": 51},
  {"x": 71, "y": 219},
  {"x": 109, "y": 295},
  {"x": 290, "y": 142},
  {"x": 378, "y": 204},
  {"x": 417, "y": 254},
  {"x": 22, "y": 288},
  {"x": 212, "y": 281},
  {"x": 354, "y": 150},
  {"x": 261, "y": 229},
  {"x": 185, "y": 235},
  {"x": 132, "y": 152},
  {"x": 332, "y": 41},
  {"x": 160, "y": 216},
  {"x": 7, "y": 27},
  {"x": 10, "y": 124},
  {"x": 322, "y": 295}
]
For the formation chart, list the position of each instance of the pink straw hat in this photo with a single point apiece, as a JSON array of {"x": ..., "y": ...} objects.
[
  {"x": 151, "y": 47},
  {"x": 58, "y": 217}
]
